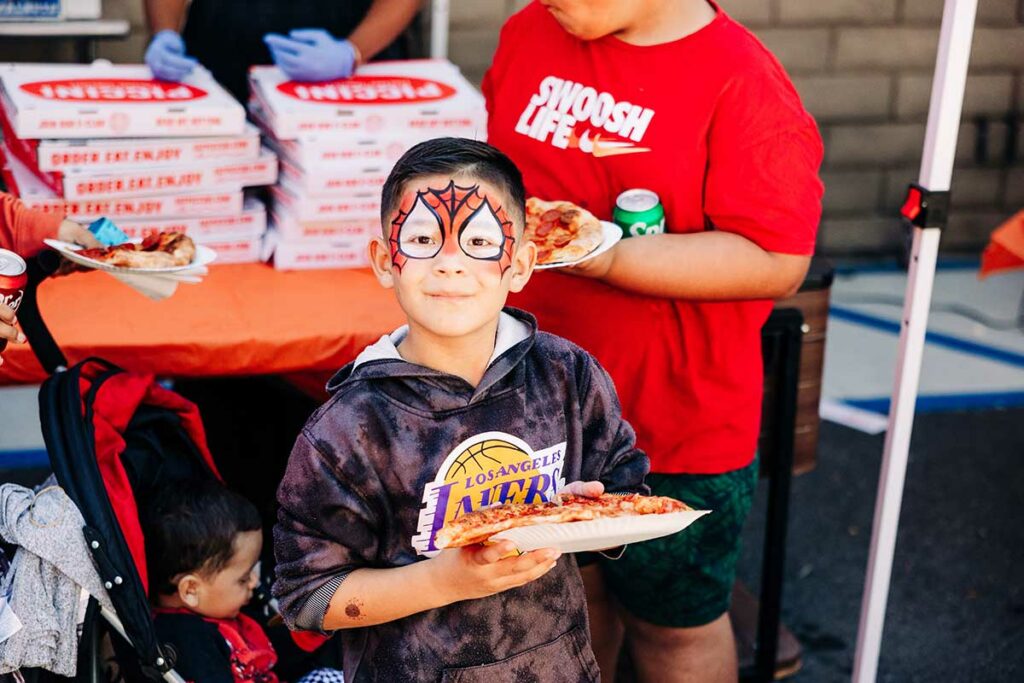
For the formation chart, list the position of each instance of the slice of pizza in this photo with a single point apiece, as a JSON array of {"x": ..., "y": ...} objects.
[
  {"x": 158, "y": 250},
  {"x": 479, "y": 526},
  {"x": 562, "y": 231}
]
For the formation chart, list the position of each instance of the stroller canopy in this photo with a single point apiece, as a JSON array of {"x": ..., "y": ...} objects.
[{"x": 113, "y": 437}]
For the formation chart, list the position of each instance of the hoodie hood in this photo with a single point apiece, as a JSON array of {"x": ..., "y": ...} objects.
[{"x": 424, "y": 388}]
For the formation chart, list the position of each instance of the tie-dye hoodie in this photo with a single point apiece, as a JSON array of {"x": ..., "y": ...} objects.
[{"x": 400, "y": 448}]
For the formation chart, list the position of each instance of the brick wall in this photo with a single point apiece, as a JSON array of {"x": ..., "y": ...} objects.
[{"x": 864, "y": 70}]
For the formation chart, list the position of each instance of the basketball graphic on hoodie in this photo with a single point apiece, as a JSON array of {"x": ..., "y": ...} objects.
[{"x": 487, "y": 469}]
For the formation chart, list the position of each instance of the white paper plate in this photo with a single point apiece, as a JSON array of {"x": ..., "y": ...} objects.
[
  {"x": 599, "y": 534},
  {"x": 612, "y": 234},
  {"x": 204, "y": 256}
]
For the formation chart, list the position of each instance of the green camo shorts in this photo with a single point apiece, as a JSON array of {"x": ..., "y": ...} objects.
[{"x": 686, "y": 579}]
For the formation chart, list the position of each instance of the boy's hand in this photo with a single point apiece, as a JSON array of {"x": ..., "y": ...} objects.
[
  {"x": 478, "y": 571},
  {"x": 588, "y": 489}
]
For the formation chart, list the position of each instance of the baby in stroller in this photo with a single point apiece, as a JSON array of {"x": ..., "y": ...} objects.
[{"x": 203, "y": 545}]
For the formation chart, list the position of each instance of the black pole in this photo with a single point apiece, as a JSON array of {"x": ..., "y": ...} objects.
[{"x": 789, "y": 335}]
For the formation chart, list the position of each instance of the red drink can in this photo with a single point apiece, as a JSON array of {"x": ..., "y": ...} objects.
[{"x": 13, "y": 280}]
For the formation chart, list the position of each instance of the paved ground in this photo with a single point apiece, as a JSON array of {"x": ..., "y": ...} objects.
[{"x": 956, "y": 611}]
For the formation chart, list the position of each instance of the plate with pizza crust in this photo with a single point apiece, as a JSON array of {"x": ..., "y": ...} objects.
[
  {"x": 598, "y": 534},
  {"x": 565, "y": 233},
  {"x": 611, "y": 234},
  {"x": 203, "y": 257},
  {"x": 571, "y": 523}
]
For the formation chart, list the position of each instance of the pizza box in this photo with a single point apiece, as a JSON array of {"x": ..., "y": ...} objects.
[
  {"x": 23, "y": 183},
  {"x": 250, "y": 223},
  {"x": 59, "y": 155},
  {"x": 421, "y": 96},
  {"x": 315, "y": 254},
  {"x": 305, "y": 207},
  {"x": 25, "y": 152},
  {"x": 293, "y": 229},
  {"x": 354, "y": 156},
  {"x": 352, "y": 152},
  {"x": 192, "y": 177},
  {"x": 103, "y": 100},
  {"x": 329, "y": 182},
  {"x": 242, "y": 250}
]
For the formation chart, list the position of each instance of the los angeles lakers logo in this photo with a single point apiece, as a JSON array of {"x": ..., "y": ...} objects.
[{"x": 488, "y": 469}]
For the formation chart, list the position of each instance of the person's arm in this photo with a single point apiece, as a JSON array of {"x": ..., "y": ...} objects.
[
  {"x": 164, "y": 15},
  {"x": 712, "y": 265},
  {"x": 22, "y": 230},
  {"x": 368, "y": 597},
  {"x": 384, "y": 21},
  {"x": 762, "y": 201}
]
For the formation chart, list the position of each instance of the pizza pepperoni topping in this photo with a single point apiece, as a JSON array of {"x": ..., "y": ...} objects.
[
  {"x": 158, "y": 250},
  {"x": 562, "y": 231}
]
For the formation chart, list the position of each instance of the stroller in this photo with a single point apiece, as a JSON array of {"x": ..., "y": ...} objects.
[{"x": 112, "y": 436}]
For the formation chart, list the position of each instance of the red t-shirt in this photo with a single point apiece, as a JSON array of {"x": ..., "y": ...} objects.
[{"x": 712, "y": 124}]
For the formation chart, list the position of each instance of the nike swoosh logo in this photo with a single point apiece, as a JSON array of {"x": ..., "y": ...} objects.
[{"x": 606, "y": 148}]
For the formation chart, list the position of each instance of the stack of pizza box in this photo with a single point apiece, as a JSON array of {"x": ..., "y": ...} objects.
[
  {"x": 337, "y": 142},
  {"x": 102, "y": 140}
]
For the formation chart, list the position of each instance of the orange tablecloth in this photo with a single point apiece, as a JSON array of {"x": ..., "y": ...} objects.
[{"x": 241, "y": 320}]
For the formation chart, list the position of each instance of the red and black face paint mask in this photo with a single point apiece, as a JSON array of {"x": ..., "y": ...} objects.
[{"x": 432, "y": 221}]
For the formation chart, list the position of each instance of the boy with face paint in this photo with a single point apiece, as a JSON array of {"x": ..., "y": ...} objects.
[{"x": 466, "y": 406}]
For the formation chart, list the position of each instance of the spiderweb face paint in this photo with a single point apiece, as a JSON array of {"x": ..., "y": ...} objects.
[{"x": 433, "y": 221}]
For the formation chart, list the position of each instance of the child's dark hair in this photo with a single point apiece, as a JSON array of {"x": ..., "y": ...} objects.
[
  {"x": 190, "y": 527},
  {"x": 456, "y": 156}
]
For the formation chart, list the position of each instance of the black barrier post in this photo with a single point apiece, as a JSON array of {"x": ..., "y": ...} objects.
[{"x": 786, "y": 326}]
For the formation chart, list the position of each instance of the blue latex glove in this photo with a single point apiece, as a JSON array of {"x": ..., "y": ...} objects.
[
  {"x": 166, "y": 57},
  {"x": 311, "y": 54}
]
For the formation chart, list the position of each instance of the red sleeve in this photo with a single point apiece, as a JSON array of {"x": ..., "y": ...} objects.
[
  {"x": 764, "y": 152},
  {"x": 22, "y": 230}
]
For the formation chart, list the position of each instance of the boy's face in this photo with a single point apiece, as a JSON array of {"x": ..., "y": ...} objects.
[
  {"x": 223, "y": 594},
  {"x": 452, "y": 253}
]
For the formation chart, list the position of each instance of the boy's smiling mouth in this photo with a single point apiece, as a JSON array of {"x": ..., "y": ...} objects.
[{"x": 449, "y": 295}]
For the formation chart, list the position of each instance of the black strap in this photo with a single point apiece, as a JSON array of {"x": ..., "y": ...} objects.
[{"x": 43, "y": 345}]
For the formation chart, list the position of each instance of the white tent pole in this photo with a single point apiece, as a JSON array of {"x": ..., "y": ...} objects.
[
  {"x": 439, "y": 11},
  {"x": 936, "y": 172}
]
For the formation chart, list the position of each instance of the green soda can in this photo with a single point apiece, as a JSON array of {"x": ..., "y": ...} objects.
[{"x": 639, "y": 212}]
